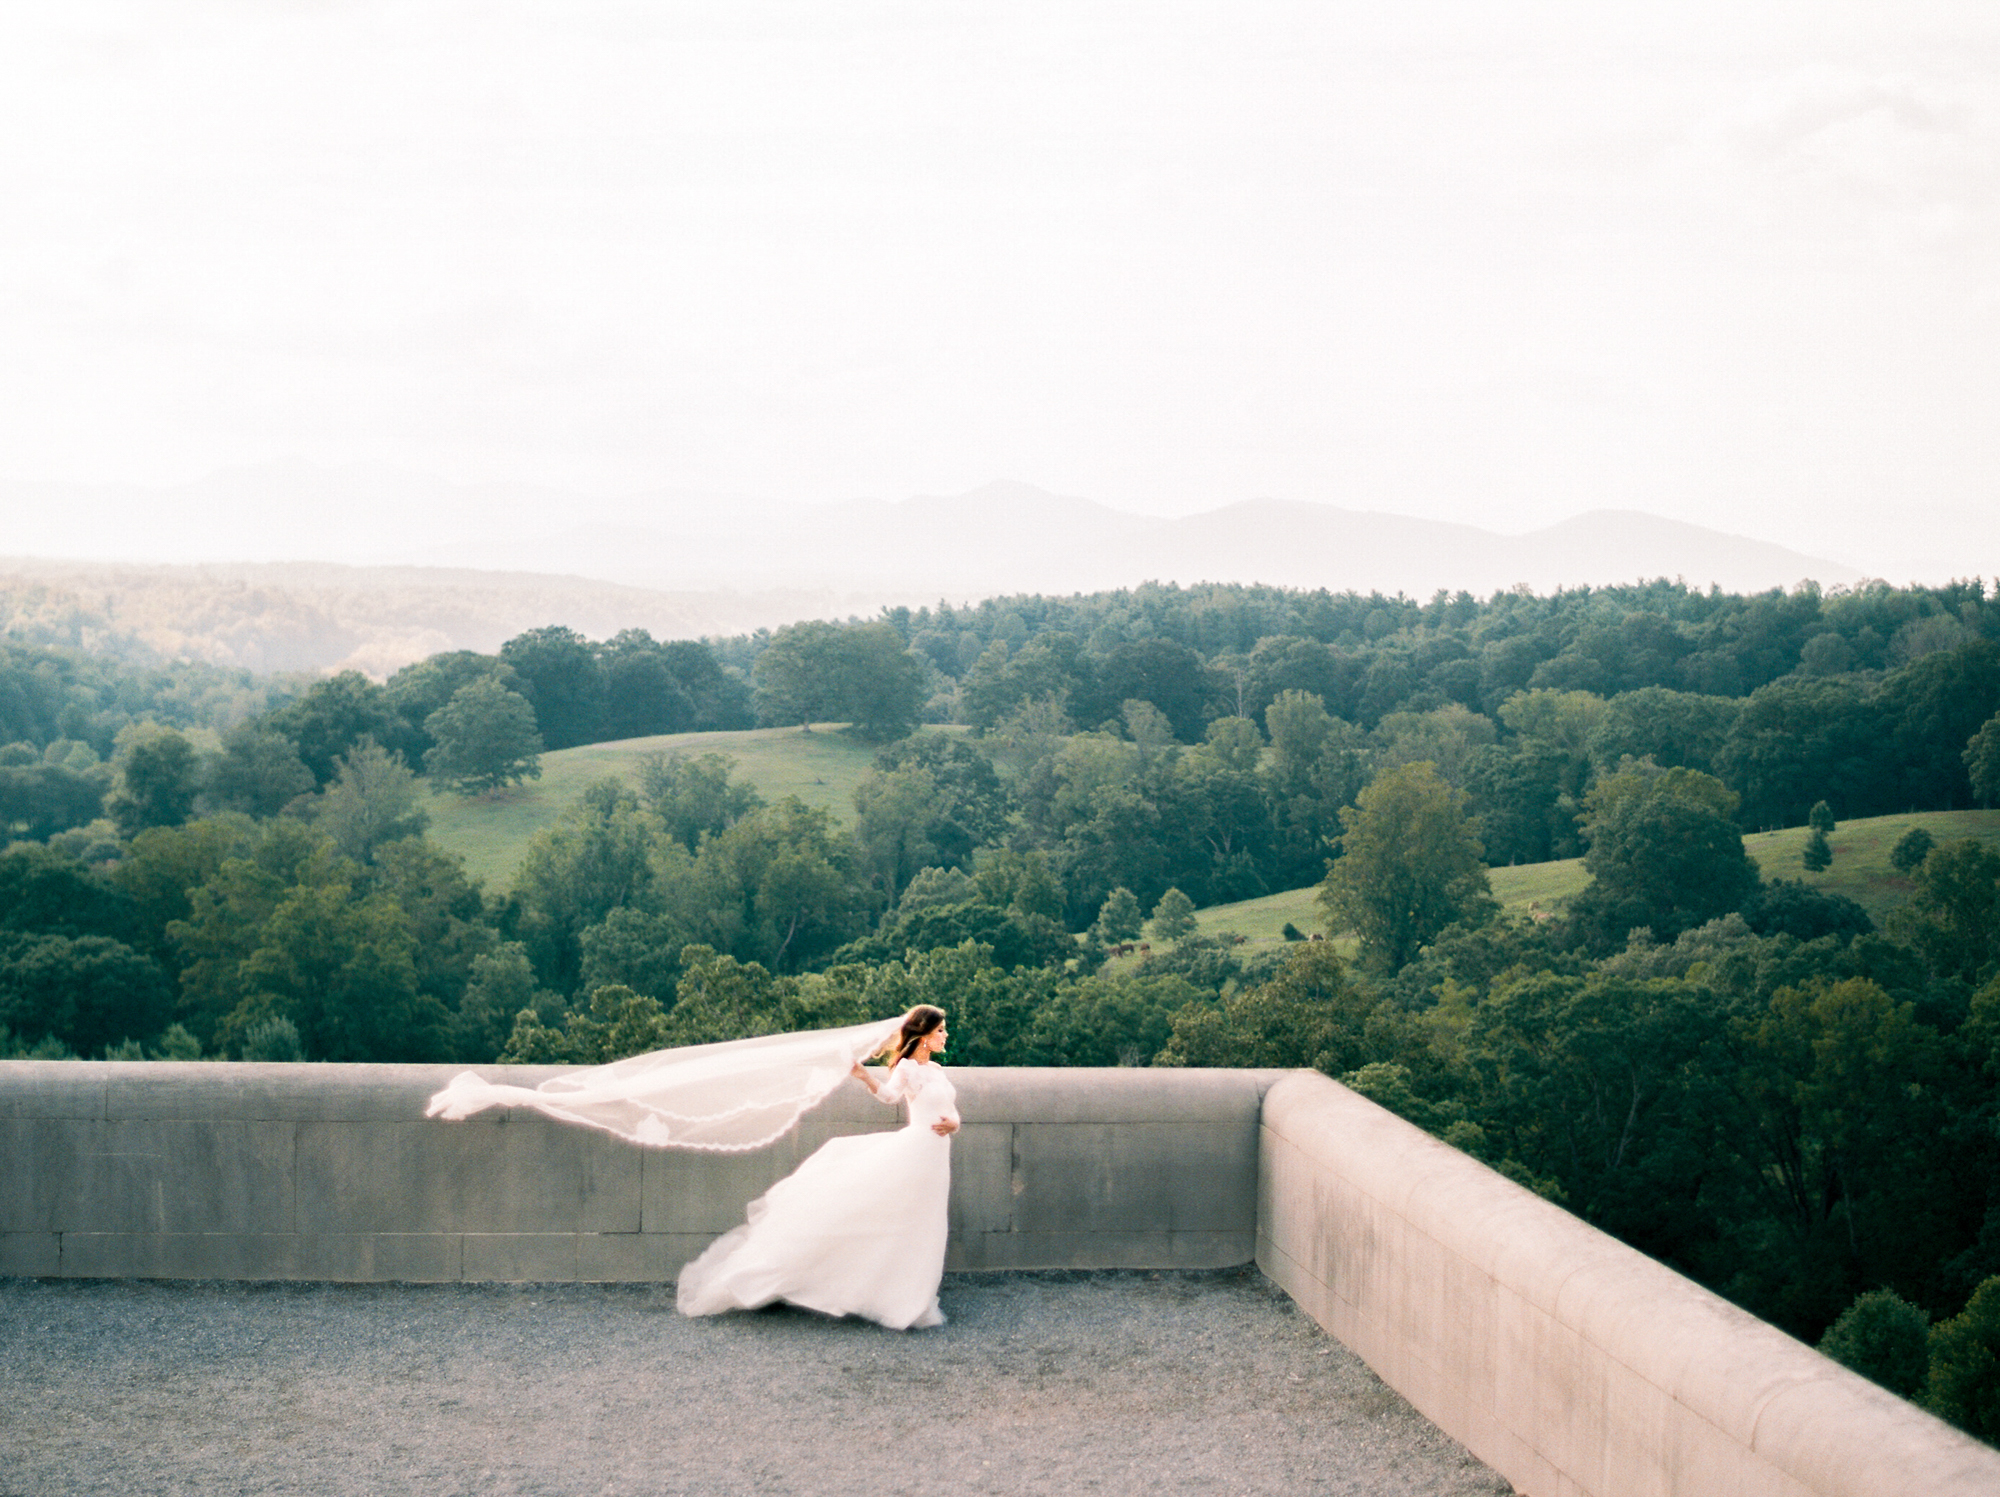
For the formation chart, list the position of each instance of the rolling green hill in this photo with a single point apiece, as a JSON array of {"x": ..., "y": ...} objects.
[
  {"x": 1861, "y": 871},
  {"x": 491, "y": 833},
  {"x": 1861, "y": 868}
]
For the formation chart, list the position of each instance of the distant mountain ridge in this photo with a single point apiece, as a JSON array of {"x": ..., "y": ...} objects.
[
  {"x": 1001, "y": 537},
  {"x": 292, "y": 566},
  {"x": 1008, "y": 537}
]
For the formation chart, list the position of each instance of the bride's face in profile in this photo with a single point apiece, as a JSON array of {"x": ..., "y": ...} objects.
[{"x": 935, "y": 1041}]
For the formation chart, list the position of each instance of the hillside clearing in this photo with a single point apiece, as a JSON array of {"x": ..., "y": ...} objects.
[
  {"x": 1861, "y": 870},
  {"x": 821, "y": 768}
]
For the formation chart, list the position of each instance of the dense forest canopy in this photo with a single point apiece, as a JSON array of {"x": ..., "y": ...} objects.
[{"x": 1743, "y": 1076}]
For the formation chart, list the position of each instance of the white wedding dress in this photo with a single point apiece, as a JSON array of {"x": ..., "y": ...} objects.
[{"x": 858, "y": 1229}]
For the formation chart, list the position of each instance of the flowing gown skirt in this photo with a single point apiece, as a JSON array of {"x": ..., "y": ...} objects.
[{"x": 858, "y": 1229}]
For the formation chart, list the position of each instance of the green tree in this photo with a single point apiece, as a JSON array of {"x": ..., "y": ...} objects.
[
  {"x": 88, "y": 992},
  {"x": 1835, "y": 1084},
  {"x": 694, "y": 796},
  {"x": 882, "y": 681},
  {"x": 897, "y": 815},
  {"x": 1173, "y": 917},
  {"x": 1885, "y": 1338},
  {"x": 177, "y": 1043},
  {"x": 1161, "y": 671},
  {"x": 1094, "y": 1021},
  {"x": 258, "y": 772},
  {"x": 418, "y": 690},
  {"x": 616, "y": 1023},
  {"x": 1308, "y": 1014},
  {"x": 341, "y": 966},
  {"x": 44, "y": 892},
  {"x": 1448, "y": 737},
  {"x": 485, "y": 739},
  {"x": 796, "y": 878},
  {"x": 39, "y": 800},
  {"x": 164, "y": 864},
  {"x": 976, "y": 807},
  {"x": 273, "y": 1039},
  {"x": 1964, "y": 1380},
  {"x": 1664, "y": 855},
  {"x": 335, "y": 715},
  {"x": 564, "y": 684},
  {"x": 159, "y": 776},
  {"x": 500, "y": 985},
  {"x": 1602, "y": 1083},
  {"x": 937, "y": 887},
  {"x": 1796, "y": 741},
  {"x": 1410, "y": 866},
  {"x": 800, "y": 677},
  {"x": 642, "y": 697},
  {"x": 637, "y": 948},
  {"x": 1820, "y": 818},
  {"x": 1953, "y": 918},
  {"x": 1908, "y": 855},
  {"x": 597, "y": 857},
  {"x": 1119, "y": 919},
  {"x": 445, "y": 911},
  {"x": 1982, "y": 761},
  {"x": 371, "y": 799},
  {"x": 1817, "y": 854}
]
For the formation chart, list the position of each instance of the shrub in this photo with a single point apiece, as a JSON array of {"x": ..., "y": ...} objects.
[
  {"x": 1911, "y": 849},
  {"x": 276, "y": 1038},
  {"x": 1883, "y": 1337},
  {"x": 1964, "y": 1381}
]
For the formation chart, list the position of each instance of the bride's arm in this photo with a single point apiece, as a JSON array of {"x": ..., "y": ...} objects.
[{"x": 889, "y": 1089}]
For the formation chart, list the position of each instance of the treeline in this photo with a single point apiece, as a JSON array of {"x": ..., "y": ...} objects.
[{"x": 1863, "y": 697}]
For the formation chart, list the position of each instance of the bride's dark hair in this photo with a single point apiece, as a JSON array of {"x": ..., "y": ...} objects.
[{"x": 917, "y": 1023}]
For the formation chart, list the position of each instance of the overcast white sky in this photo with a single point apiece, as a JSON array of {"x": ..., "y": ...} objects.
[{"x": 1731, "y": 262}]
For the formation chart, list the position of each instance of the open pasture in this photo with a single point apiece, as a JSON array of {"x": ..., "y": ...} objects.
[
  {"x": 1861, "y": 870},
  {"x": 491, "y": 832}
]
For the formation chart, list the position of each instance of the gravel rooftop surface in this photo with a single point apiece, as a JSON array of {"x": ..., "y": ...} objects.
[{"x": 1064, "y": 1382}]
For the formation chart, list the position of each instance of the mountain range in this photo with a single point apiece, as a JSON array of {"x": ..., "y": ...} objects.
[
  {"x": 292, "y": 566},
  {"x": 1003, "y": 537}
]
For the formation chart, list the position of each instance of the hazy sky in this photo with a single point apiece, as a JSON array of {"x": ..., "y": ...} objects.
[{"x": 1731, "y": 262}]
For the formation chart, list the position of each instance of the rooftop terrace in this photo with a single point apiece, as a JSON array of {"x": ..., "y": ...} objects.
[
  {"x": 1107, "y": 1382},
  {"x": 1565, "y": 1361}
]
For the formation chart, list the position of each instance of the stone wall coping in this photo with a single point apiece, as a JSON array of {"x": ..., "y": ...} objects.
[
  {"x": 325, "y": 1092},
  {"x": 1813, "y": 1419}
]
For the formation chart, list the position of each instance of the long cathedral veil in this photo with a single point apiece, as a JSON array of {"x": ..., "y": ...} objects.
[{"x": 726, "y": 1098}]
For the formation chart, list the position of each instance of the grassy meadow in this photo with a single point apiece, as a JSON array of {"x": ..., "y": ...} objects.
[
  {"x": 491, "y": 832},
  {"x": 1861, "y": 871},
  {"x": 1861, "y": 868},
  {"x": 824, "y": 767}
]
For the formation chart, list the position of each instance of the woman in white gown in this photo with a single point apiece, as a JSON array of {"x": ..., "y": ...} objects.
[{"x": 859, "y": 1228}]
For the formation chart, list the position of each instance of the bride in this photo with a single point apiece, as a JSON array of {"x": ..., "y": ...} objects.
[{"x": 859, "y": 1228}]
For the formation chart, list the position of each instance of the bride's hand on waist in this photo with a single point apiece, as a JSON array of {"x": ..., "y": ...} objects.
[{"x": 945, "y": 1127}]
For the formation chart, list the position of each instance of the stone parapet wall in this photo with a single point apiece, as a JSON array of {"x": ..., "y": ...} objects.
[
  {"x": 1563, "y": 1359},
  {"x": 216, "y": 1170}
]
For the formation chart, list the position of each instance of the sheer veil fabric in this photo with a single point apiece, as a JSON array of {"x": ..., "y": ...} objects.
[{"x": 727, "y": 1098}]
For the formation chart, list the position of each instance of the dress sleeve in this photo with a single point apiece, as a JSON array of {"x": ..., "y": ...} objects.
[{"x": 895, "y": 1086}]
